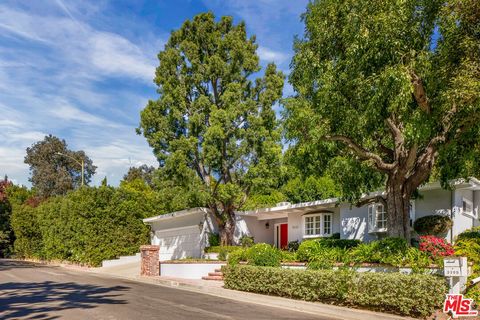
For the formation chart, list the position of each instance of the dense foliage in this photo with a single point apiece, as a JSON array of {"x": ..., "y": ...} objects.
[
  {"x": 432, "y": 225},
  {"x": 213, "y": 128},
  {"x": 55, "y": 169},
  {"x": 388, "y": 90},
  {"x": 468, "y": 245},
  {"x": 143, "y": 172},
  {"x": 85, "y": 226},
  {"x": 262, "y": 254},
  {"x": 414, "y": 295}
]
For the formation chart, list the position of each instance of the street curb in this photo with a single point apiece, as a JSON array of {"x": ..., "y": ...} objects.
[
  {"x": 316, "y": 308},
  {"x": 334, "y": 312}
]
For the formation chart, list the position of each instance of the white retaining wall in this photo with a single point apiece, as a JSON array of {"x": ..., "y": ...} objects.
[{"x": 188, "y": 270}]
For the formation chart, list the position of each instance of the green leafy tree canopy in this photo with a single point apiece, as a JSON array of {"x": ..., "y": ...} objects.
[
  {"x": 395, "y": 86},
  {"x": 55, "y": 169},
  {"x": 213, "y": 124}
]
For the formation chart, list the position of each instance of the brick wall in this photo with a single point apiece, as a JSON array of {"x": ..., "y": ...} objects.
[{"x": 150, "y": 260}]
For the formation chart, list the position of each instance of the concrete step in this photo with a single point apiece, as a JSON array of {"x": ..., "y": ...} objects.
[
  {"x": 215, "y": 278},
  {"x": 215, "y": 274},
  {"x": 218, "y": 270}
]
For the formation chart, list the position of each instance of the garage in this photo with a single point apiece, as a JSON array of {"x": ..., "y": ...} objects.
[
  {"x": 179, "y": 243},
  {"x": 181, "y": 234}
]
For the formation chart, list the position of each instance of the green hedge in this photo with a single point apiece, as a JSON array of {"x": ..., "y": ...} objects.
[
  {"x": 86, "y": 226},
  {"x": 413, "y": 295}
]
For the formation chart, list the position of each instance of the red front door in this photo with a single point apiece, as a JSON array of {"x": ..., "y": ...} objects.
[{"x": 284, "y": 236}]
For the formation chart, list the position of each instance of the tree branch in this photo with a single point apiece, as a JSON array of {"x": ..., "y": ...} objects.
[
  {"x": 363, "y": 153},
  {"x": 419, "y": 92},
  {"x": 376, "y": 199}
]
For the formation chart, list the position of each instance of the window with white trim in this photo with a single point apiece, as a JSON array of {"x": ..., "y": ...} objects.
[
  {"x": 377, "y": 217},
  {"x": 467, "y": 207},
  {"x": 317, "y": 225}
]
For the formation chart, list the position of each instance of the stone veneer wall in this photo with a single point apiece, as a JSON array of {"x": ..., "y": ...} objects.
[{"x": 150, "y": 260}]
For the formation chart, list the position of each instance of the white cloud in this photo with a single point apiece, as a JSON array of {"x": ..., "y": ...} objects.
[
  {"x": 55, "y": 78},
  {"x": 101, "y": 53},
  {"x": 269, "y": 55},
  {"x": 114, "y": 54}
]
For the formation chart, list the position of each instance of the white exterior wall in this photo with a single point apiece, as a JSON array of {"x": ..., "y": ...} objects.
[
  {"x": 354, "y": 223},
  {"x": 476, "y": 207},
  {"x": 462, "y": 221},
  {"x": 296, "y": 224},
  {"x": 251, "y": 226}
]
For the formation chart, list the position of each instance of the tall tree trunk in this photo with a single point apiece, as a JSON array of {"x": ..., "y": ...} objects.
[
  {"x": 399, "y": 194},
  {"x": 226, "y": 226}
]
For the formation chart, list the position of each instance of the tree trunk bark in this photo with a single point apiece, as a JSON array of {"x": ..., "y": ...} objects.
[
  {"x": 398, "y": 208},
  {"x": 226, "y": 228}
]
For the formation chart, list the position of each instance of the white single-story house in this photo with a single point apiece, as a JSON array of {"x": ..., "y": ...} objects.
[{"x": 185, "y": 233}]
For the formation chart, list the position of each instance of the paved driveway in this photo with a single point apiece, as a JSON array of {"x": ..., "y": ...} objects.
[{"x": 30, "y": 291}]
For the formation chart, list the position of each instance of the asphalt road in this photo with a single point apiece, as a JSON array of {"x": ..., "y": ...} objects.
[{"x": 30, "y": 291}]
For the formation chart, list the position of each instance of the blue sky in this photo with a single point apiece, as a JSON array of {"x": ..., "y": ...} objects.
[{"x": 83, "y": 70}]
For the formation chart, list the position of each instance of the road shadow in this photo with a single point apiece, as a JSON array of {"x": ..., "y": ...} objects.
[
  {"x": 38, "y": 300},
  {"x": 6, "y": 264}
]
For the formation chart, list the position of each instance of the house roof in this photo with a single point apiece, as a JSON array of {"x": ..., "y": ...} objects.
[
  {"x": 282, "y": 209},
  {"x": 175, "y": 214}
]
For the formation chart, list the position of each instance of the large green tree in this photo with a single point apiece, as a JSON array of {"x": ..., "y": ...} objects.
[
  {"x": 213, "y": 124},
  {"x": 143, "y": 172},
  {"x": 55, "y": 169},
  {"x": 395, "y": 86}
]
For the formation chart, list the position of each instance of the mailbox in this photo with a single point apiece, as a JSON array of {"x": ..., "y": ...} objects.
[{"x": 455, "y": 267}]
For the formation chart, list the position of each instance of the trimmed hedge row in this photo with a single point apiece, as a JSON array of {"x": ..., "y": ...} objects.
[
  {"x": 86, "y": 226},
  {"x": 413, "y": 295}
]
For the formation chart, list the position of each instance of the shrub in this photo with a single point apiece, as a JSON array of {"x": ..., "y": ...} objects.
[
  {"x": 293, "y": 245},
  {"x": 339, "y": 243},
  {"x": 262, "y": 254},
  {"x": 213, "y": 240},
  {"x": 432, "y": 225},
  {"x": 247, "y": 241},
  {"x": 384, "y": 251},
  {"x": 236, "y": 256},
  {"x": 308, "y": 249},
  {"x": 326, "y": 258},
  {"x": 436, "y": 247},
  {"x": 224, "y": 251},
  {"x": 336, "y": 235},
  {"x": 470, "y": 247},
  {"x": 473, "y": 233},
  {"x": 413, "y": 295},
  {"x": 312, "y": 249},
  {"x": 287, "y": 256}
]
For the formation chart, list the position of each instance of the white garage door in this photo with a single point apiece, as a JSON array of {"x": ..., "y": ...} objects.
[{"x": 179, "y": 243}]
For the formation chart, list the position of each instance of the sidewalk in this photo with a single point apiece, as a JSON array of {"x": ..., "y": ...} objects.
[{"x": 215, "y": 288}]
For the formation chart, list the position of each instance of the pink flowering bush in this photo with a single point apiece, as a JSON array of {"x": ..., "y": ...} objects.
[{"x": 436, "y": 247}]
